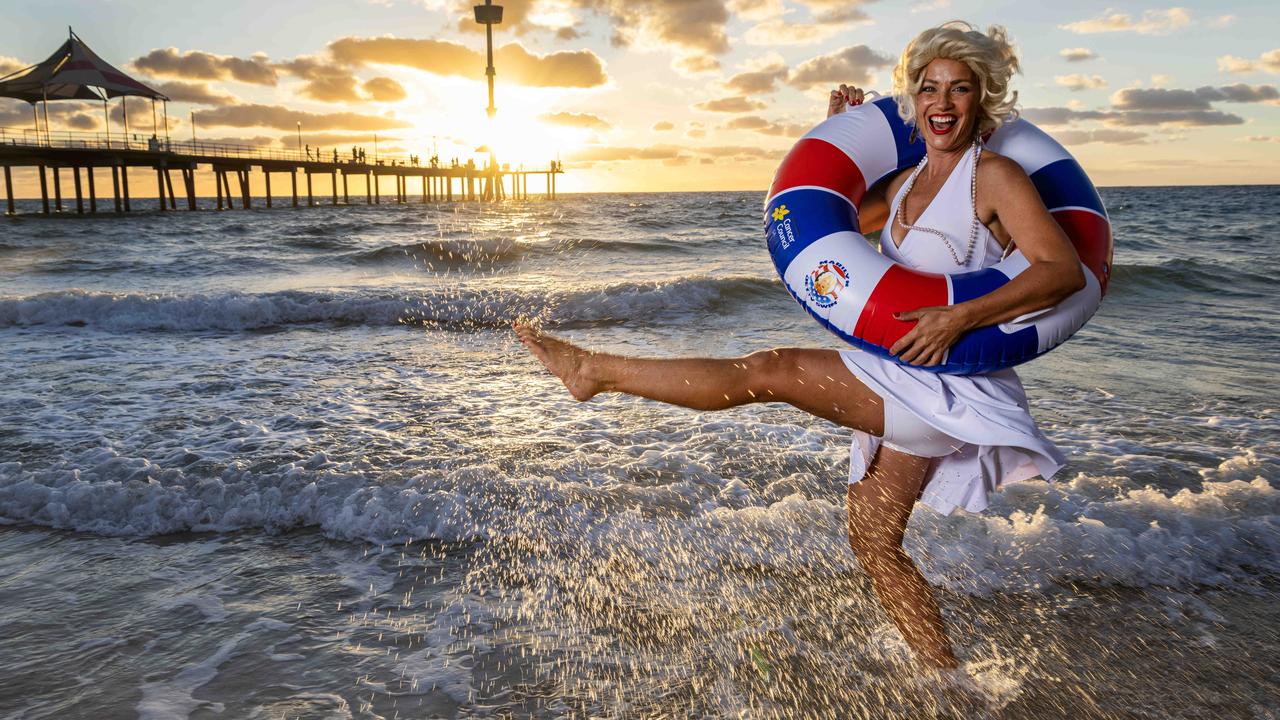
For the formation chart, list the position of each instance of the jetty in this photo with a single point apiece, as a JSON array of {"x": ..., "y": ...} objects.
[
  {"x": 71, "y": 166},
  {"x": 75, "y": 73}
]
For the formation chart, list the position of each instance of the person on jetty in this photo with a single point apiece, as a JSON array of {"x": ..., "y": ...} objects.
[{"x": 945, "y": 440}]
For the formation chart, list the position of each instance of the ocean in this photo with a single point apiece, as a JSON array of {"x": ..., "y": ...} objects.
[{"x": 294, "y": 464}]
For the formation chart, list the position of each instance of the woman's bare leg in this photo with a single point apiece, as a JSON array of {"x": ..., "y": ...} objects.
[
  {"x": 879, "y": 507},
  {"x": 815, "y": 381}
]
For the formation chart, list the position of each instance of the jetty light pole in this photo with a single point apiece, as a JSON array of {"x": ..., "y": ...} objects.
[{"x": 489, "y": 15}]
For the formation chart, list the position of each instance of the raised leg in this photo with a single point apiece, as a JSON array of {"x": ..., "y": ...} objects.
[
  {"x": 815, "y": 381},
  {"x": 879, "y": 507}
]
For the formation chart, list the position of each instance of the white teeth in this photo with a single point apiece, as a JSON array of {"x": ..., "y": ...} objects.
[{"x": 942, "y": 122}]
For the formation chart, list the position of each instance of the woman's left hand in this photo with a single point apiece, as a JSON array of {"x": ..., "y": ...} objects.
[{"x": 936, "y": 330}]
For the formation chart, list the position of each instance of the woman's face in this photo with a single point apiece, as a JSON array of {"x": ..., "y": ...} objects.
[{"x": 947, "y": 105}]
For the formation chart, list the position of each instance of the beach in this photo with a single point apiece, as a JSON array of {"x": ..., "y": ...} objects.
[{"x": 294, "y": 463}]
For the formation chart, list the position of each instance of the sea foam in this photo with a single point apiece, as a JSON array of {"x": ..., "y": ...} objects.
[
  {"x": 1080, "y": 530},
  {"x": 476, "y": 304}
]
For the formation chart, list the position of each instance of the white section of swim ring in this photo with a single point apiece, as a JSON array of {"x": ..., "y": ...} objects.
[
  {"x": 1056, "y": 323},
  {"x": 1068, "y": 316},
  {"x": 1027, "y": 145},
  {"x": 862, "y": 133},
  {"x": 865, "y": 267}
]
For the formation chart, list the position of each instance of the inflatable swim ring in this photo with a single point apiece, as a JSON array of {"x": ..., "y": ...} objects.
[{"x": 828, "y": 266}]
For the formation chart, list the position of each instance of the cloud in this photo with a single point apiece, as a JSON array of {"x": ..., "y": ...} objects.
[
  {"x": 663, "y": 126},
  {"x": 1077, "y": 54},
  {"x": 10, "y": 65},
  {"x": 720, "y": 151},
  {"x": 64, "y": 115},
  {"x": 1222, "y": 21},
  {"x": 196, "y": 93},
  {"x": 256, "y": 141},
  {"x": 1059, "y": 116},
  {"x": 1261, "y": 138},
  {"x": 1198, "y": 99},
  {"x": 695, "y": 129},
  {"x": 757, "y": 9},
  {"x": 612, "y": 153},
  {"x": 566, "y": 68},
  {"x": 282, "y": 118},
  {"x": 851, "y": 65},
  {"x": 835, "y": 11},
  {"x": 758, "y": 82},
  {"x": 696, "y": 64},
  {"x": 198, "y": 65},
  {"x": 1153, "y": 22},
  {"x": 1268, "y": 61},
  {"x": 746, "y": 122},
  {"x": 1241, "y": 93},
  {"x": 779, "y": 32},
  {"x": 383, "y": 89},
  {"x": 569, "y": 68},
  {"x": 690, "y": 27},
  {"x": 671, "y": 154},
  {"x": 324, "y": 80},
  {"x": 1175, "y": 118},
  {"x": 923, "y": 6},
  {"x": 1158, "y": 99},
  {"x": 579, "y": 120},
  {"x": 731, "y": 104},
  {"x": 1076, "y": 83},
  {"x": 758, "y": 124},
  {"x": 1103, "y": 135}
]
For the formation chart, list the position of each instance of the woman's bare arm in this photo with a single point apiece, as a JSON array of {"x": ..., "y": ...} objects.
[
  {"x": 1055, "y": 271},
  {"x": 1053, "y": 275}
]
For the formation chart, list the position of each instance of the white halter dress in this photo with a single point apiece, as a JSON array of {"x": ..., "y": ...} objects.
[{"x": 987, "y": 413}]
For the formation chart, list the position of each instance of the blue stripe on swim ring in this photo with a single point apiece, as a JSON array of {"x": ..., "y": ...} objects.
[
  {"x": 986, "y": 348},
  {"x": 796, "y": 218},
  {"x": 1064, "y": 184},
  {"x": 909, "y": 153}
]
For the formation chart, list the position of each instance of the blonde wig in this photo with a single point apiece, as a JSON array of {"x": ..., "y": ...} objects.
[{"x": 989, "y": 55}]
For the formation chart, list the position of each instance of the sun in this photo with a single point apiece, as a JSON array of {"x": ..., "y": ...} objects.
[{"x": 526, "y": 140}]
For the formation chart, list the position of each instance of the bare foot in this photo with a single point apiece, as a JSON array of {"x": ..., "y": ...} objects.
[{"x": 565, "y": 360}]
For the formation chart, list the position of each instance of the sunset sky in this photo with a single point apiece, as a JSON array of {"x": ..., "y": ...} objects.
[{"x": 659, "y": 95}]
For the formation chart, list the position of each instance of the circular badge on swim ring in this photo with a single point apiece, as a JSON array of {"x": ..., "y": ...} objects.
[{"x": 826, "y": 282}]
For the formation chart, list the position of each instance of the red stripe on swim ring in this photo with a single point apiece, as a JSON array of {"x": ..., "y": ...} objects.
[
  {"x": 1090, "y": 233},
  {"x": 818, "y": 163}
]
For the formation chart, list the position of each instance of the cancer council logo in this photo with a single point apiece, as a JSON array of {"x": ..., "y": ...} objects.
[{"x": 826, "y": 282}]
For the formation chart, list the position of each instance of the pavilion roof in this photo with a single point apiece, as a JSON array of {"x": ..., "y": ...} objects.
[{"x": 73, "y": 72}]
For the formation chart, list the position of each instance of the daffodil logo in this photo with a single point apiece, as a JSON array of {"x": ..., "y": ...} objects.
[{"x": 780, "y": 212}]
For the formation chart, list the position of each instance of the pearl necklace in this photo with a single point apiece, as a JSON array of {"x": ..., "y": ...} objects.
[{"x": 973, "y": 200}]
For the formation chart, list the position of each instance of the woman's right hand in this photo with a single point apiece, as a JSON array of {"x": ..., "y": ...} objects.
[{"x": 844, "y": 95}]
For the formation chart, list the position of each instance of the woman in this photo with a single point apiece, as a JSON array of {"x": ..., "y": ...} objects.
[{"x": 944, "y": 439}]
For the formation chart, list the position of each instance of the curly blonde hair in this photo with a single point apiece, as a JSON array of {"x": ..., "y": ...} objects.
[{"x": 990, "y": 55}]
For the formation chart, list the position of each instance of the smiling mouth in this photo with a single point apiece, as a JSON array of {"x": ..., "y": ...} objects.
[{"x": 942, "y": 124}]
